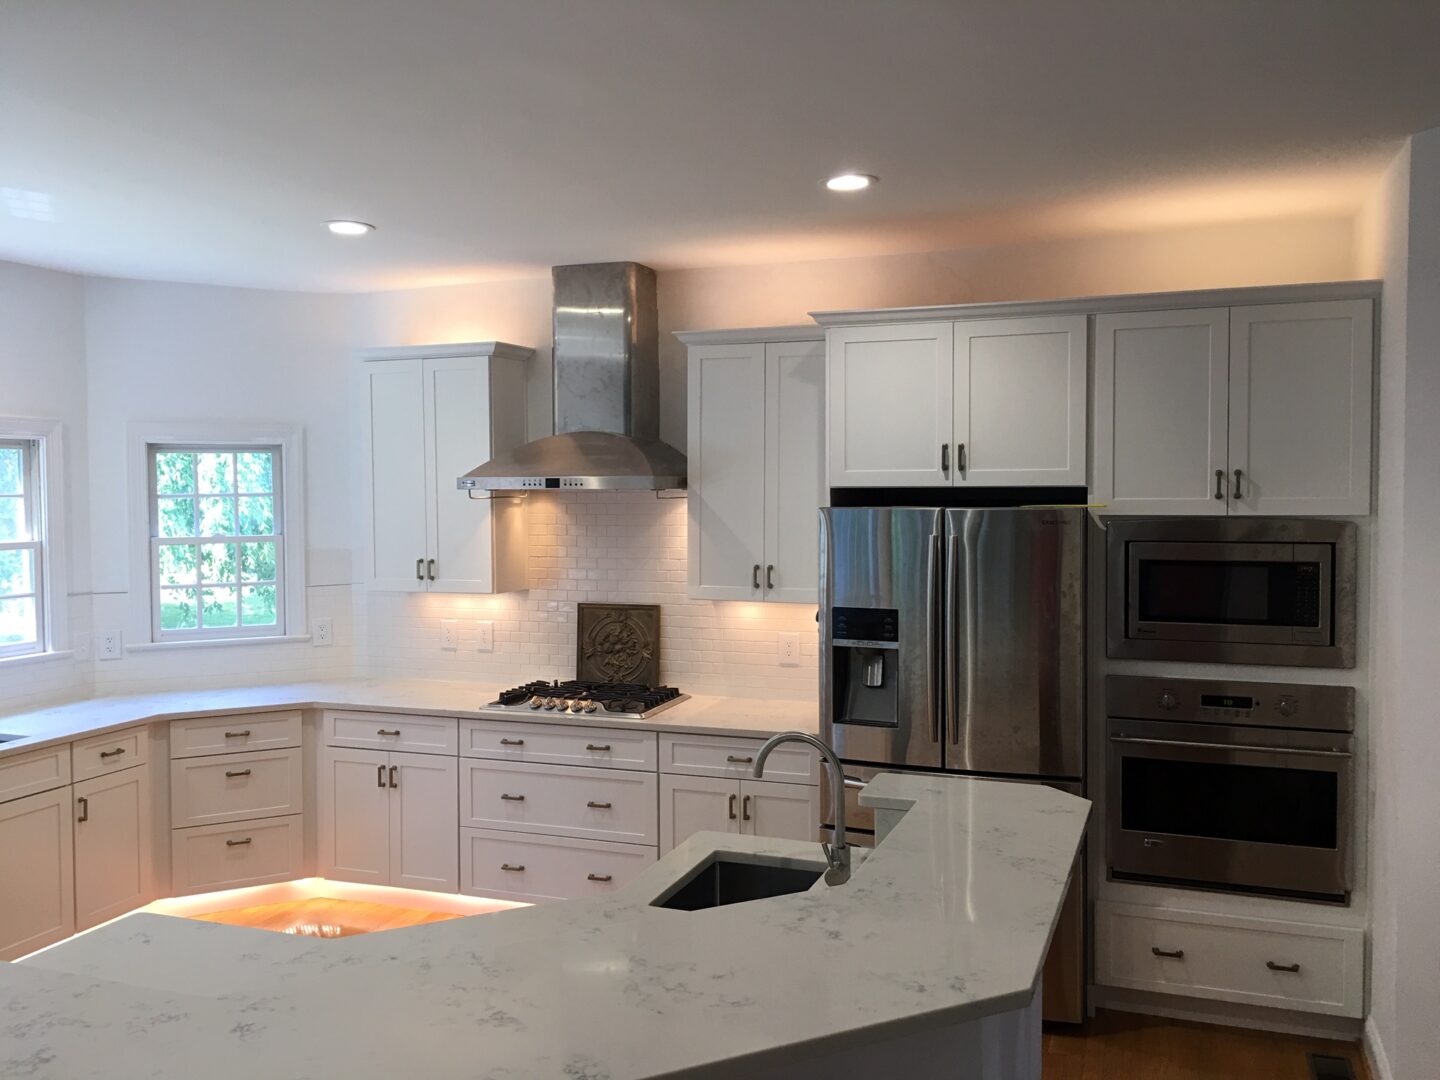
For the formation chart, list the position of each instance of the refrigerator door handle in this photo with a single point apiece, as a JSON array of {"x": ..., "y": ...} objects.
[
  {"x": 934, "y": 642},
  {"x": 959, "y": 569},
  {"x": 953, "y": 567}
]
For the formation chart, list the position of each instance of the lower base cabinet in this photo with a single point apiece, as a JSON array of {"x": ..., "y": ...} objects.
[
  {"x": 112, "y": 845},
  {"x": 514, "y": 866},
  {"x": 37, "y": 883},
  {"x": 230, "y": 856},
  {"x": 691, "y": 804}
]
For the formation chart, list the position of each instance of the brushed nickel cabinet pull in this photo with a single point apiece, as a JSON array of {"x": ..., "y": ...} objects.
[
  {"x": 238, "y": 734},
  {"x": 732, "y": 807},
  {"x": 430, "y": 569},
  {"x": 598, "y": 748},
  {"x": 1219, "y": 482},
  {"x": 755, "y": 576},
  {"x": 770, "y": 576},
  {"x": 84, "y": 808},
  {"x": 383, "y": 731},
  {"x": 232, "y": 773},
  {"x": 1238, "y": 474},
  {"x": 512, "y": 798},
  {"x": 380, "y": 775},
  {"x": 112, "y": 753},
  {"x": 738, "y": 759},
  {"x": 1178, "y": 954},
  {"x": 238, "y": 843},
  {"x": 419, "y": 569},
  {"x": 512, "y": 742},
  {"x": 393, "y": 770},
  {"x": 599, "y": 877},
  {"x": 745, "y": 808},
  {"x": 593, "y": 805},
  {"x": 1273, "y": 966},
  {"x": 512, "y": 869}
]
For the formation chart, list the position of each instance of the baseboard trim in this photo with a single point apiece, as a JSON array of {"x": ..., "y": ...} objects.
[
  {"x": 1229, "y": 1014},
  {"x": 1375, "y": 1052}
]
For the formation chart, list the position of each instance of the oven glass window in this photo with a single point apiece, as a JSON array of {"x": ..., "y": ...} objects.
[
  {"x": 1230, "y": 593},
  {"x": 1248, "y": 803}
]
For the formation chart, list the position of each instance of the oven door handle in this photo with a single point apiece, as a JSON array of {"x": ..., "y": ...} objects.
[{"x": 1248, "y": 747}]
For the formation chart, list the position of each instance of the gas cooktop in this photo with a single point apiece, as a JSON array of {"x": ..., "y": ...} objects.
[{"x": 633, "y": 701}]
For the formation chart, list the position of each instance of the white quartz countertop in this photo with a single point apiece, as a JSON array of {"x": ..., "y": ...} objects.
[
  {"x": 94, "y": 716},
  {"x": 947, "y": 920}
]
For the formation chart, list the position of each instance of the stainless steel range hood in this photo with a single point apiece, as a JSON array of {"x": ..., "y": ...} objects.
[{"x": 607, "y": 392}]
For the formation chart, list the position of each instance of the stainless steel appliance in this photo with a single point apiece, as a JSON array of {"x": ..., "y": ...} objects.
[
  {"x": 954, "y": 640},
  {"x": 1276, "y": 591},
  {"x": 628, "y": 701},
  {"x": 1239, "y": 786}
]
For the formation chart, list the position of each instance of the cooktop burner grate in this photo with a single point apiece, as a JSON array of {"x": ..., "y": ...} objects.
[{"x": 634, "y": 699}]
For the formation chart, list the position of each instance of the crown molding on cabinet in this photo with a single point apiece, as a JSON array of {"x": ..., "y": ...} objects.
[
  {"x": 501, "y": 349},
  {"x": 751, "y": 335},
  {"x": 1094, "y": 305}
]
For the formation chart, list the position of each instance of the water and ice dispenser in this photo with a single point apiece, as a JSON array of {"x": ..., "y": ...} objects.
[{"x": 866, "y": 665}]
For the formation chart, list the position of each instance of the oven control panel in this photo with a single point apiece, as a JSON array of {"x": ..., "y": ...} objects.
[{"x": 1204, "y": 701}]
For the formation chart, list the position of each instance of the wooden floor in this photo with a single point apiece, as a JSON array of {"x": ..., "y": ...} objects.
[
  {"x": 1124, "y": 1046},
  {"x": 324, "y": 917}
]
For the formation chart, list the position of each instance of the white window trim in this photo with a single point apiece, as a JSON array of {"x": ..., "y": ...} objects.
[
  {"x": 50, "y": 510},
  {"x": 290, "y": 559}
]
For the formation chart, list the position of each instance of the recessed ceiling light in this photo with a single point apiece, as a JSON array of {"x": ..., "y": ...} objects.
[
  {"x": 349, "y": 228},
  {"x": 851, "y": 181}
]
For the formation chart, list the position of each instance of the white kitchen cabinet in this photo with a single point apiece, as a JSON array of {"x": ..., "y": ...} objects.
[
  {"x": 691, "y": 804},
  {"x": 112, "y": 845},
  {"x": 782, "y": 811},
  {"x": 37, "y": 882},
  {"x": 535, "y": 869},
  {"x": 1020, "y": 393},
  {"x": 1242, "y": 410},
  {"x": 389, "y": 818},
  {"x": 1161, "y": 409},
  {"x": 1300, "y": 408},
  {"x": 756, "y": 466},
  {"x": 228, "y": 856},
  {"x": 890, "y": 401},
  {"x": 431, "y": 414}
]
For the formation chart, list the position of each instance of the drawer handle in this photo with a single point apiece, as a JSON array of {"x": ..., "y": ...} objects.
[
  {"x": 512, "y": 869},
  {"x": 238, "y": 734},
  {"x": 732, "y": 808},
  {"x": 112, "y": 753},
  {"x": 1294, "y": 969},
  {"x": 745, "y": 808},
  {"x": 738, "y": 759},
  {"x": 512, "y": 742},
  {"x": 1178, "y": 954},
  {"x": 598, "y": 748},
  {"x": 598, "y": 805},
  {"x": 380, "y": 775},
  {"x": 598, "y": 877},
  {"x": 238, "y": 843},
  {"x": 230, "y": 774},
  {"x": 382, "y": 731},
  {"x": 512, "y": 798},
  {"x": 393, "y": 770},
  {"x": 84, "y": 808}
]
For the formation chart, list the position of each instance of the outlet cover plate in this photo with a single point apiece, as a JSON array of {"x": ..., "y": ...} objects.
[
  {"x": 484, "y": 636},
  {"x": 789, "y": 648},
  {"x": 449, "y": 634}
]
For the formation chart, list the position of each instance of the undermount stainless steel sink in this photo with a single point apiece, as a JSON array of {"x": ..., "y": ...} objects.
[
  {"x": 10, "y": 738},
  {"x": 733, "y": 880}
]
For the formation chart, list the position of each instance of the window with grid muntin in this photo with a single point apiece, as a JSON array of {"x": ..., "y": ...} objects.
[
  {"x": 22, "y": 549},
  {"x": 217, "y": 541}
]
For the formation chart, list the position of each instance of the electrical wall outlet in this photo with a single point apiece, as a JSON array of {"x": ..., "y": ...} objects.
[
  {"x": 449, "y": 634},
  {"x": 111, "y": 646},
  {"x": 322, "y": 633},
  {"x": 789, "y": 648},
  {"x": 485, "y": 636}
]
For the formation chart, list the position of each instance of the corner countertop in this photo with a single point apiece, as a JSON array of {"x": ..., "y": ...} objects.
[
  {"x": 746, "y": 716},
  {"x": 946, "y": 921}
]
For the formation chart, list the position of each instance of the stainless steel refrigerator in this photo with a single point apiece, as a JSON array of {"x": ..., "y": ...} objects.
[{"x": 954, "y": 640}]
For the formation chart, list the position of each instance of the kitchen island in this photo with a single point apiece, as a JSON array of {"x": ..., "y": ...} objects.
[{"x": 926, "y": 963}]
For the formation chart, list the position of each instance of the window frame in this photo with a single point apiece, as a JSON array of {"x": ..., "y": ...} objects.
[
  {"x": 276, "y": 537},
  {"x": 32, "y": 471}
]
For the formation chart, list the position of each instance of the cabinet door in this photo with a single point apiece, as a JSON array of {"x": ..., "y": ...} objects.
[
  {"x": 889, "y": 404},
  {"x": 424, "y": 822},
  {"x": 1020, "y": 390},
  {"x": 784, "y": 811},
  {"x": 457, "y": 436},
  {"x": 794, "y": 469},
  {"x": 727, "y": 468},
  {"x": 1161, "y": 402},
  {"x": 354, "y": 819},
  {"x": 112, "y": 845},
  {"x": 396, "y": 474},
  {"x": 37, "y": 885},
  {"x": 691, "y": 804},
  {"x": 1300, "y": 401}
]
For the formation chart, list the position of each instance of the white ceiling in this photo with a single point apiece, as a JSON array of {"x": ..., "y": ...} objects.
[{"x": 206, "y": 140}]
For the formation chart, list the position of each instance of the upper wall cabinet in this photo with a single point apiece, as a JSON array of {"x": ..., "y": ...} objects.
[
  {"x": 756, "y": 465},
  {"x": 1245, "y": 410},
  {"x": 431, "y": 414},
  {"x": 988, "y": 402}
]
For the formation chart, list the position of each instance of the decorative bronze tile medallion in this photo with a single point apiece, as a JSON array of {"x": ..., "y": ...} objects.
[{"x": 618, "y": 643}]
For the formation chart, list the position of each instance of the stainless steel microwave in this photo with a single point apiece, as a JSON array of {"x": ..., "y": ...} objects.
[{"x": 1272, "y": 591}]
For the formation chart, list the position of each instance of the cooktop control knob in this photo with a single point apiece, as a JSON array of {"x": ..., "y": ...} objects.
[
  {"x": 1167, "y": 700},
  {"x": 536, "y": 702},
  {"x": 1287, "y": 706}
]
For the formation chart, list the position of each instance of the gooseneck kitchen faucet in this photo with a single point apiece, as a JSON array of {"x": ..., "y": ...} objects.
[{"x": 838, "y": 853}]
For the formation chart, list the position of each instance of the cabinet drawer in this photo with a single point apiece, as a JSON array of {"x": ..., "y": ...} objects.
[
  {"x": 1232, "y": 959},
  {"x": 206, "y": 735},
  {"x": 109, "y": 753},
  {"x": 230, "y": 856},
  {"x": 552, "y": 744},
  {"x": 598, "y": 804},
  {"x": 235, "y": 787},
  {"x": 708, "y": 755},
  {"x": 387, "y": 731},
  {"x": 29, "y": 774},
  {"x": 514, "y": 866}
]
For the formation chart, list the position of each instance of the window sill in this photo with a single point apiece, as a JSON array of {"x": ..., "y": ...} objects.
[
  {"x": 25, "y": 659},
  {"x": 215, "y": 643}
]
